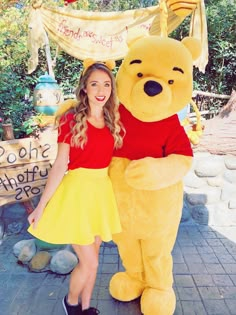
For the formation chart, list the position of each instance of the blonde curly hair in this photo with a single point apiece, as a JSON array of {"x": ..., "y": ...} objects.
[{"x": 81, "y": 110}]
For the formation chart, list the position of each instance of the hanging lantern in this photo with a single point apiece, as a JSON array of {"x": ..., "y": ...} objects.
[{"x": 47, "y": 95}]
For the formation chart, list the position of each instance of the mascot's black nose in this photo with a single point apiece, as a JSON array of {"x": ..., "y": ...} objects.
[{"x": 152, "y": 88}]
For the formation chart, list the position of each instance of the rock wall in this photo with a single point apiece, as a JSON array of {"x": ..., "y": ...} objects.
[{"x": 210, "y": 190}]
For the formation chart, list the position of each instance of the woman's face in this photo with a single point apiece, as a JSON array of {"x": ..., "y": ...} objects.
[{"x": 98, "y": 88}]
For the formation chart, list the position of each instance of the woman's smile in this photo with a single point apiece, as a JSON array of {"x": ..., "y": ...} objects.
[{"x": 100, "y": 98}]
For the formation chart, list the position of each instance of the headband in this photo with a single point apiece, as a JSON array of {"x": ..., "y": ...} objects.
[{"x": 110, "y": 64}]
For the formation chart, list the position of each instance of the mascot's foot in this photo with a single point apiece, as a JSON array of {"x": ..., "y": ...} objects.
[
  {"x": 155, "y": 302},
  {"x": 124, "y": 288}
]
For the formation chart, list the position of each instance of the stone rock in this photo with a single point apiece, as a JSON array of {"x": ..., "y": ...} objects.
[
  {"x": 209, "y": 167},
  {"x": 215, "y": 181},
  {"x": 27, "y": 252},
  {"x": 195, "y": 197},
  {"x": 193, "y": 181},
  {"x": 19, "y": 245},
  {"x": 14, "y": 211},
  {"x": 230, "y": 162},
  {"x": 207, "y": 195},
  {"x": 230, "y": 176},
  {"x": 14, "y": 227},
  {"x": 200, "y": 214},
  {"x": 63, "y": 262},
  {"x": 39, "y": 262}
]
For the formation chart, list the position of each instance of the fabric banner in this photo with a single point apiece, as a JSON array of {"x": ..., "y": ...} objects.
[
  {"x": 85, "y": 34},
  {"x": 198, "y": 29},
  {"x": 97, "y": 35}
]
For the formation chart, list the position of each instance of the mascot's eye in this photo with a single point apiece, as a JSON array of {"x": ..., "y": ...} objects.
[
  {"x": 171, "y": 81},
  {"x": 140, "y": 75}
]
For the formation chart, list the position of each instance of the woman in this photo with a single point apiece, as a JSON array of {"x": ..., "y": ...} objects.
[{"x": 78, "y": 207}]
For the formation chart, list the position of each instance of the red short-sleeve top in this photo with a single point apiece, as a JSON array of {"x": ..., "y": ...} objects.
[{"x": 98, "y": 150}]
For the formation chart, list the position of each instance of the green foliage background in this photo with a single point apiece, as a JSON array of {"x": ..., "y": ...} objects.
[{"x": 16, "y": 86}]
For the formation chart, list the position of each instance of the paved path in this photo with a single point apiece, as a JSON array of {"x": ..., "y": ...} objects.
[{"x": 204, "y": 273}]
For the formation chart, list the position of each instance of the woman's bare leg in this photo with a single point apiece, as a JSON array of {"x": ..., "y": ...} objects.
[
  {"x": 87, "y": 291},
  {"x": 83, "y": 276}
]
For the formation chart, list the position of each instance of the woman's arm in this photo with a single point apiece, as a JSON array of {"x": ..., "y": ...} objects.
[{"x": 55, "y": 176}]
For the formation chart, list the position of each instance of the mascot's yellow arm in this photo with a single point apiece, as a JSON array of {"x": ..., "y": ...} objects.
[{"x": 153, "y": 173}]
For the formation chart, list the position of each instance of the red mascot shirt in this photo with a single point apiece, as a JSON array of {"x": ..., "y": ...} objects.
[{"x": 152, "y": 139}]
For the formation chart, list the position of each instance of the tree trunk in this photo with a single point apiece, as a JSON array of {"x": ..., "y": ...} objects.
[{"x": 219, "y": 135}]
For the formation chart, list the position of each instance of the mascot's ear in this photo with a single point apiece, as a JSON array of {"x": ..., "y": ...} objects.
[{"x": 193, "y": 45}]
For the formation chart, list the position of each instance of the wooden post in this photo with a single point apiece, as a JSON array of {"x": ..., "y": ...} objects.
[
  {"x": 8, "y": 132},
  {"x": 48, "y": 56}
]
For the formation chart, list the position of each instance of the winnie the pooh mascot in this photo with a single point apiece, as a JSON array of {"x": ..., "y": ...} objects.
[{"x": 154, "y": 82}]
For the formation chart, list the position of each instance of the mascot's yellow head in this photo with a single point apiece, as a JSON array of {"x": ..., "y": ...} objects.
[{"x": 155, "y": 80}]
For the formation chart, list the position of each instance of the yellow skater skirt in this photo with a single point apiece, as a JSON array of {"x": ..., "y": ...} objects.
[{"x": 82, "y": 207}]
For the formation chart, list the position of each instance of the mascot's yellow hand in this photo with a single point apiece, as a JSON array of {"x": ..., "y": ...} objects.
[
  {"x": 140, "y": 173},
  {"x": 157, "y": 173}
]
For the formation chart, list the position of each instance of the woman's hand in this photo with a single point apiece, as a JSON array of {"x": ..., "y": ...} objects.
[
  {"x": 35, "y": 216},
  {"x": 54, "y": 178}
]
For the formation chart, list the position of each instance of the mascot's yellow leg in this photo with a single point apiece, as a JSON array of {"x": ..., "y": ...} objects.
[
  {"x": 156, "y": 302},
  {"x": 129, "y": 285},
  {"x": 158, "y": 297},
  {"x": 125, "y": 288}
]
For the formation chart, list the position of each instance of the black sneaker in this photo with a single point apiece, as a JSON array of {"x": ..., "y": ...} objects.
[
  {"x": 91, "y": 311},
  {"x": 71, "y": 309}
]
